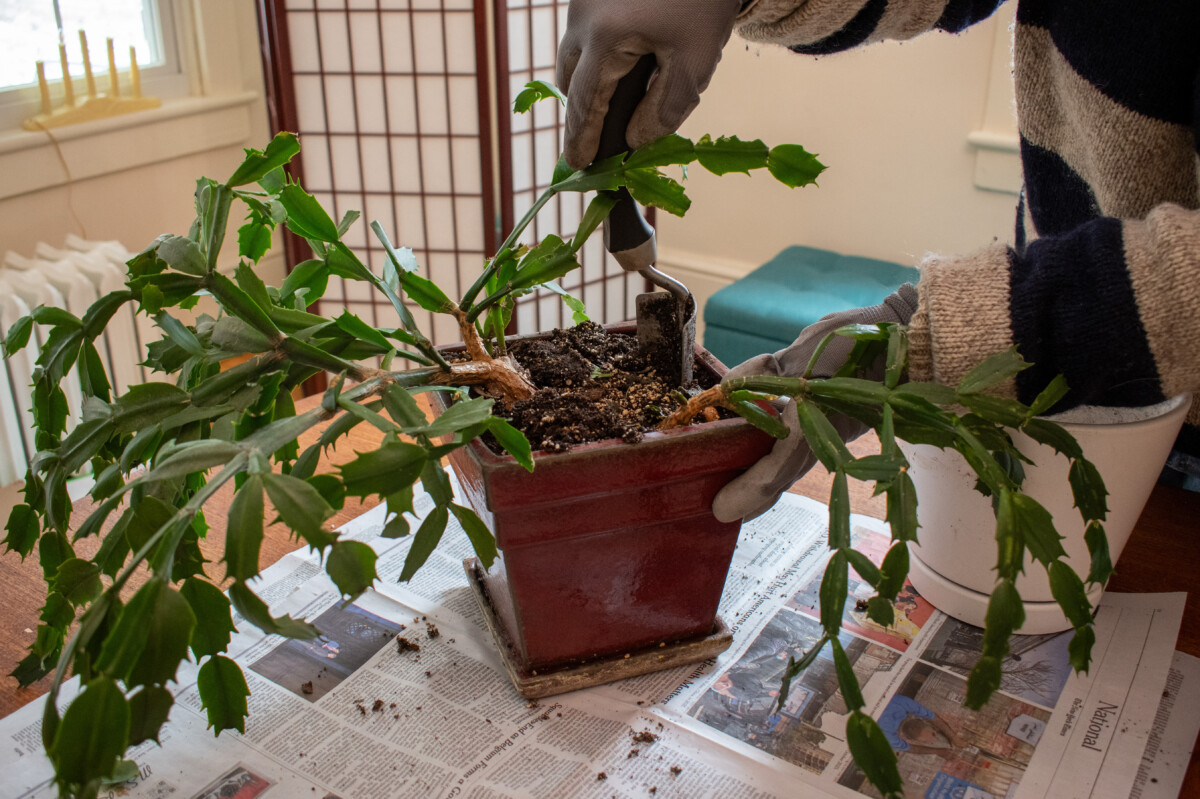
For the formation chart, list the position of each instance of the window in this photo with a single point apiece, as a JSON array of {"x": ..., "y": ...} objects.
[{"x": 33, "y": 31}]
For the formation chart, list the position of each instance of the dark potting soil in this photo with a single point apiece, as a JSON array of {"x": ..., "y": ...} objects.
[{"x": 592, "y": 385}]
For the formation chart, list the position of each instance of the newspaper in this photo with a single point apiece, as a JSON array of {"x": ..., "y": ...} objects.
[{"x": 404, "y": 695}]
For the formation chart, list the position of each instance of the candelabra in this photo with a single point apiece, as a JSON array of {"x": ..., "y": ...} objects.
[{"x": 95, "y": 105}]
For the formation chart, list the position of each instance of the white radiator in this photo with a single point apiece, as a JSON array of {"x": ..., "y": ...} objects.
[{"x": 71, "y": 277}]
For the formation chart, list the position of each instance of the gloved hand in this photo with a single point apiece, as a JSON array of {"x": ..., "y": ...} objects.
[
  {"x": 754, "y": 492},
  {"x": 605, "y": 38}
]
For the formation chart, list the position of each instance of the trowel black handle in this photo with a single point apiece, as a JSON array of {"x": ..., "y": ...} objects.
[{"x": 625, "y": 228}]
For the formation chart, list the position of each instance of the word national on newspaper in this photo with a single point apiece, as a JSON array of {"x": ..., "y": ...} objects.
[{"x": 404, "y": 696}]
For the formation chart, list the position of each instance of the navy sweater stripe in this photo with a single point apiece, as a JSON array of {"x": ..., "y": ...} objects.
[
  {"x": 961, "y": 14},
  {"x": 1058, "y": 198},
  {"x": 1097, "y": 341},
  {"x": 854, "y": 34}
]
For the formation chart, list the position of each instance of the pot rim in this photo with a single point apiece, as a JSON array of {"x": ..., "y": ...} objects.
[{"x": 1159, "y": 413}]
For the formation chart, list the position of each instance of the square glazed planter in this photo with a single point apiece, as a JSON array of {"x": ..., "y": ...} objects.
[{"x": 611, "y": 562}]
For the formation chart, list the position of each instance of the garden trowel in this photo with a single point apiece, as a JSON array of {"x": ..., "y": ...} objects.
[{"x": 666, "y": 320}]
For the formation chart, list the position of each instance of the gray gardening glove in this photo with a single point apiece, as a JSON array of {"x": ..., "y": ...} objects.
[
  {"x": 754, "y": 492},
  {"x": 603, "y": 41}
]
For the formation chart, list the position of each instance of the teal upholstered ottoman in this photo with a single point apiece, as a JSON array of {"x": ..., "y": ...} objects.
[{"x": 765, "y": 310}]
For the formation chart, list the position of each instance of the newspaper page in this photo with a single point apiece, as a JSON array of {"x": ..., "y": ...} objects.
[
  {"x": 1173, "y": 737},
  {"x": 1048, "y": 732},
  {"x": 404, "y": 695}
]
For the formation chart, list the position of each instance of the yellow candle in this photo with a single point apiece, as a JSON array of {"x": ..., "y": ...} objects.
[
  {"x": 135, "y": 77},
  {"x": 114, "y": 88},
  {"x": 44, "y": 88},
  {"x": 87, "y": 65},
  {"x": 68, "y": 87}
]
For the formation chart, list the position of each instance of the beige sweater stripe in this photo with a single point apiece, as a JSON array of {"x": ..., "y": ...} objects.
[
  {"x": 1163, "y": 253},
  {"x": 789, "y": 22},
  {"x": 962, "y": 317}
]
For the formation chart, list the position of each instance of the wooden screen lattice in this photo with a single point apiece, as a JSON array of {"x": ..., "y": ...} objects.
[{"x": 403, "y": 112}]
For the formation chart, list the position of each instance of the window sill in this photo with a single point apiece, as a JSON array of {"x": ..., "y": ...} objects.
[
  {"x": 32, "y": 161},
  {"x": 997, "y": 160}
]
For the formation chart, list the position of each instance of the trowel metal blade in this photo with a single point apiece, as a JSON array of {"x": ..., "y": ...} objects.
[{"x": 666, "y": 331}]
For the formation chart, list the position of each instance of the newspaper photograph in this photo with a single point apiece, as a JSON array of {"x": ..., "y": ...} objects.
[{"x": 404, "y": 695}]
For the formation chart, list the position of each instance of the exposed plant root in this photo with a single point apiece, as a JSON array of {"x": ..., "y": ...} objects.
[
  {"x": 709, "y": 398},
  {"x": 502, "y": 378}
]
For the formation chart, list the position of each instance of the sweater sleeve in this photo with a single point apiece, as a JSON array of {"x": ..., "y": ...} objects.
[
  {"x": 1112, "y": 305},
  {"x": 817, "y": 27}
]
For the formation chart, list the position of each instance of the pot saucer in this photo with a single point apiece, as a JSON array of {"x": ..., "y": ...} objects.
[{"x": 970, "y": 606}]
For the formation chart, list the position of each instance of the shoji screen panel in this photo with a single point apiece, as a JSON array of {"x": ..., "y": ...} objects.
[
  {"x": 386, "y": 96},
  {"x": 527, "y": 35},
  {"x": 398, "y": 118}
]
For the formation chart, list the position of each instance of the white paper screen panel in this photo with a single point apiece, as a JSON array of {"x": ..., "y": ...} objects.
[{"x": 392, "y": 122}]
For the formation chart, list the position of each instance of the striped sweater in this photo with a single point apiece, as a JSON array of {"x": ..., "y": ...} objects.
[{"x": 1105, "y": 288}]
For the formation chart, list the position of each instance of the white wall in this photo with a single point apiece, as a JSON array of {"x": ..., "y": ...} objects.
[
  {"x": 891, "y": 123},
  {"x": 123, "y": 177}
]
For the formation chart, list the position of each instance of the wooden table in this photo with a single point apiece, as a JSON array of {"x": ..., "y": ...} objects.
[{"x": 1163, "y": 554}]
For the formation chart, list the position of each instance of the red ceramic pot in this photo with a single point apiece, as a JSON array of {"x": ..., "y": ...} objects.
[{"x": 610, "y": 547}]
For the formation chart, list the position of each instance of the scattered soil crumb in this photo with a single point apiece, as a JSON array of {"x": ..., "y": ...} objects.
[
  {"x": 361, "y": 708},
  {"x": 676, "y": 770},
  {"x": 532, "y": 703},
  {"x": 644, "y": 737},
  {"x": 431, "y": 629},
  {"x": 378, "y": 706},
  {"x": 601, "y": 776},
  {"x": 632, "y": 753},
  {"x": 429, "y": 674},
  {"x": 306, "y": 688},
  {"x": 653, "y": 789},
  {"x": 404, "y": 645},
  {"x": 861, "y": 605}
]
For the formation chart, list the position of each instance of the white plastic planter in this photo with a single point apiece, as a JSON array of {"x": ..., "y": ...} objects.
[{"x": 953, "y": 567}]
